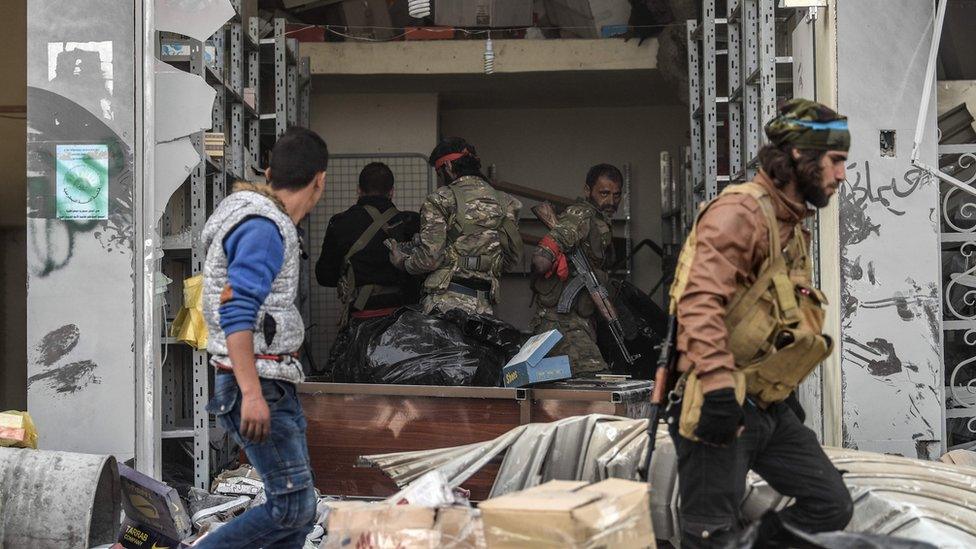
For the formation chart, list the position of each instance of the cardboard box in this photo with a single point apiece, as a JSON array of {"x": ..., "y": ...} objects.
[
  {"x": 547, "y": 369},
  {"x": 612, "y": 513},
  {"x": 153, "y": 504},
  {"x": 213, "y": 144},
  {"x": 536, "y": 347},
  {"x": 136, "y": 536},
  {"x": 587, "y": 18},
  {"x": 483, "y": 13},
  {"x": 386, "y": 526},
  {"x": 365, "y": 18}
]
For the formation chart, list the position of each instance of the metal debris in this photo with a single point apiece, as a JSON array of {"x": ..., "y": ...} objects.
[{"x": 909, "y": 498}]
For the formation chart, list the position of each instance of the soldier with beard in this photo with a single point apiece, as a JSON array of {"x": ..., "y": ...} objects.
[
  {"x": 749, "y": 330},
  {"x": 586, "y": 225}
]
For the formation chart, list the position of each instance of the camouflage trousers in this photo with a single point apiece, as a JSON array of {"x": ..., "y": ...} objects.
[
  {"x": 451, "y": 300},
  {"x": 578, "y": 342}
]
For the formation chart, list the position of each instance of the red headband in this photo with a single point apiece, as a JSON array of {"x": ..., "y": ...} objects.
[{"x": 449, "y": 158}]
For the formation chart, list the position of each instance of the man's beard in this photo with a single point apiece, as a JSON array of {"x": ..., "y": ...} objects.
[{"x": 812, "y": 191}]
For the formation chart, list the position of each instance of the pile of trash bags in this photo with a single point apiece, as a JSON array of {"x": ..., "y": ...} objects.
[{"x": 413, "y": 348}]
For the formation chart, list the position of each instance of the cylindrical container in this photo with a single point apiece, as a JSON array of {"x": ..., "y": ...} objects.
[{"x": 58, "y": 499}]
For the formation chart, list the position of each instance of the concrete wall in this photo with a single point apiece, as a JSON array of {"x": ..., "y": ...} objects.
[
  {"x": 890, "y": 294},
  {"x": 376, "y": 123},
  {"x": 551, "y": 150},
  {"x": 80, "y": 327},
  {"x": 13, "y": 197}
]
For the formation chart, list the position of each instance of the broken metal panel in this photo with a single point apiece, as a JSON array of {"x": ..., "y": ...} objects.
[
  {"x": 179, "y": 157},
  {"x": 184, "y": 103},
  {"x": 81, "y": 287},
  {"x": 197, "y": 19},
  {"x": 909, "y": 498},
  {"x": 897, "y": 496},
  {"x": 890, "y": 298}
]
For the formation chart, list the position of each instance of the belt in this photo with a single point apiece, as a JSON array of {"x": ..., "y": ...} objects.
[
  {"x": 464, "y": 290},
  {"x": 373, "y": 313},
  {"x": 221, "y": 369}
]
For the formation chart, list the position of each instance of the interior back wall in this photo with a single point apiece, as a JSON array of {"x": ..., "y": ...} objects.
[{"x": 552, "y": 149}]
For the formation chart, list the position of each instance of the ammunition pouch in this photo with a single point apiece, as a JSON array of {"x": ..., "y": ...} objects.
[{"x": 693, "y": 398}]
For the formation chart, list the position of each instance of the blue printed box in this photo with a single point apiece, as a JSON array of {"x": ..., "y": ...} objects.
[
  {"x": 548, "y": 369},
  {"x": 536, "y": 348}
]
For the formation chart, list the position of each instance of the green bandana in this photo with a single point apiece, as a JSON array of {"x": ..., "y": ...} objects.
[{"x": 807, "y": 124}]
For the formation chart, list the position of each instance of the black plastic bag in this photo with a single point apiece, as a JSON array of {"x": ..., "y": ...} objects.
[{"x": 411, "y": 348}]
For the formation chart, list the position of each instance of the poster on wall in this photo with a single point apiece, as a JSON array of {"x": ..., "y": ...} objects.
[{"x": 82, "y": 182}]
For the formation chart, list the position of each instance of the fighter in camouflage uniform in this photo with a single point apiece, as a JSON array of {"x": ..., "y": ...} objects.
[
  {"x": 585, "y": 224},
  {"x": 468, "y": 236}
]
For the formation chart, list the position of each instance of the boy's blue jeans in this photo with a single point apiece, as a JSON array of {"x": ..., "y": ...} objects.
[{"x": 282, "y": 460}]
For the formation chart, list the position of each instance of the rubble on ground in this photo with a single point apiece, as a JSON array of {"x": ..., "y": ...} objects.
[{"x": 895, "y": 496}]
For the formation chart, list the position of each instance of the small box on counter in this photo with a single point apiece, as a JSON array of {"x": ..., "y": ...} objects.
[
  {"x": 521, "y": 369},
  {"x": 548, "y": 369}
]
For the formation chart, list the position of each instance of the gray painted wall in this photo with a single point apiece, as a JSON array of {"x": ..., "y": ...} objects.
[
  {"x": 80, "y": 324},
  {"x": 890, "y": 264}
]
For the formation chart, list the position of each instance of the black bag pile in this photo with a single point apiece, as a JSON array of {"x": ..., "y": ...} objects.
[
  {"x": 411, "y": 348},
  {"x": 644, "y": 324}
]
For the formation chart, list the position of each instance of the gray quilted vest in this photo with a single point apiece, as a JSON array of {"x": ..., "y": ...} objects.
[{"x": 278, "y": 317}]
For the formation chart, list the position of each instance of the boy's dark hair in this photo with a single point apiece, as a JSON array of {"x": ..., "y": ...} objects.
[
  {"x": 469, "y": 164},
  {"x": 376, "y": 178},
  {"x": 603, "y": 170},
  {"x": 297, "y": 156}
]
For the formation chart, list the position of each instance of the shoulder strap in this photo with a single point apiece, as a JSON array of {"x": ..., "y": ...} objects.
[
  {"x": 379, "y": 220},
  {"x": 774, "y": 271}
]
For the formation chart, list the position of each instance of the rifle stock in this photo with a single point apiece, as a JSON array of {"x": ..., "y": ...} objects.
[{"x": 662, "y": 379}]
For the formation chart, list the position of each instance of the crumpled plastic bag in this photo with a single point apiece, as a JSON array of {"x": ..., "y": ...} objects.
[
  {"x": 189, "y": 325},
  {"x": 17, "y": 430},
  {"x": 413, "y": 348}
]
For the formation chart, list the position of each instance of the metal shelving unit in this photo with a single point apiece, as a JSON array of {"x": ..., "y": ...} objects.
[
  {"x": 726, "y": 115},
  {"x": 731, "y": 112},
  {"x": 235, "y": 71}
]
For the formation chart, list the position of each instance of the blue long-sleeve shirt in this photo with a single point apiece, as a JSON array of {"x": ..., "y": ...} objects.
[{"x": 255, "y": 253}]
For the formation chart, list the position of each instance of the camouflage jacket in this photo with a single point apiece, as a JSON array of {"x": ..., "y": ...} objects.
[
  {"x": 584, "y": 226},
  {"x": 468, "y": 230}
]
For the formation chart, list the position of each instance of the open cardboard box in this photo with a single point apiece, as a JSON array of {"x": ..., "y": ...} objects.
[
  {"x": 382, "y": 526},
  {"x": 611, "y": 513}
]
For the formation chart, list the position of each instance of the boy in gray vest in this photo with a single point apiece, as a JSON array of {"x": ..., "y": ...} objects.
[{"x": 251, "y": 279}]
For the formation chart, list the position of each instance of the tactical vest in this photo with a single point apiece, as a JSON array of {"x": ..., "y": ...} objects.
[
  {"x": 351, "y": 296},
  {"x": 278, "y": 329},
  {"x": 474, "y": 236},
  {"x": 775, "y": 324},
  {"x": 597, "y": 246}
]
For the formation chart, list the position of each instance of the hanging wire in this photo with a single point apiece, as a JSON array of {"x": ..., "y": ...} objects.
[{"x": 334, "y": 29}]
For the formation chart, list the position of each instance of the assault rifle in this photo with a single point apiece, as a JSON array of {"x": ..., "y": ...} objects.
[
  {"x": 586, "y": 278},
  {"x": 662, "y": 379}
]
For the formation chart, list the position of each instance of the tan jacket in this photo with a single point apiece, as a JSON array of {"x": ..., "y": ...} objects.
[{"x": 732, "y": 243}]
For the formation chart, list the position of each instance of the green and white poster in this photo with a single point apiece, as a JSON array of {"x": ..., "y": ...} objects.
[{"x": 82, "y": 181}]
